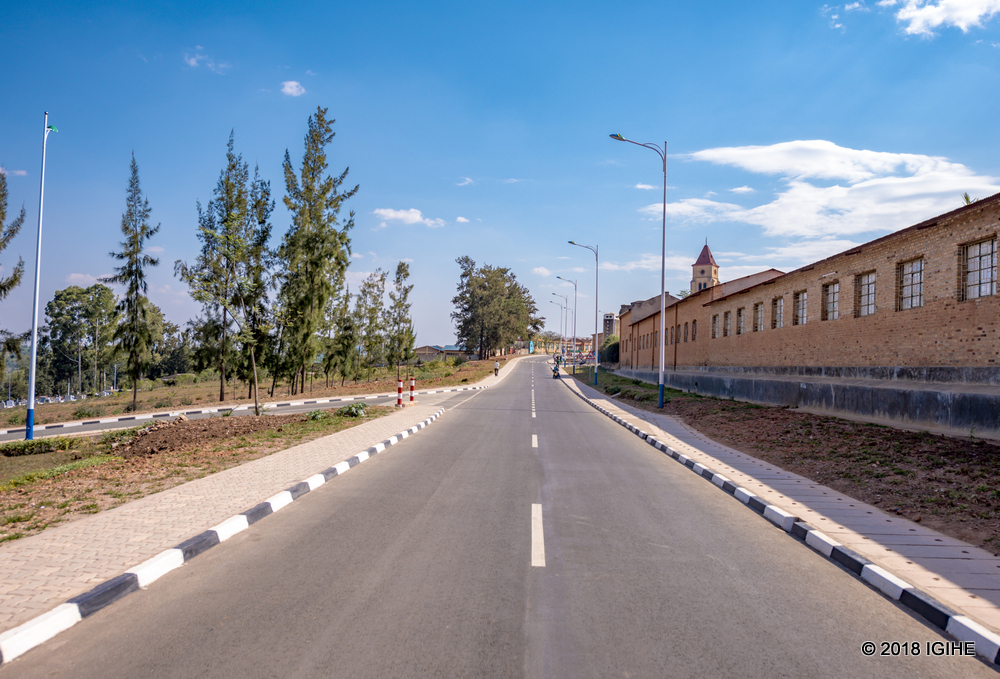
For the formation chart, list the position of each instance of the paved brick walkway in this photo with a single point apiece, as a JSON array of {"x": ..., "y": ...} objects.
[
  {"x": 42, "y": 571},
  {"x": 957, "y": 574}
]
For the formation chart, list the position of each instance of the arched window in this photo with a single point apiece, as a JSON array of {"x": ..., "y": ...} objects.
[
  {"x": 694, "y": 330},
  {"x": 685, "y": 332}
]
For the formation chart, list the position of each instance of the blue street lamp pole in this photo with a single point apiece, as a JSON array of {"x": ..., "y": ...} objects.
[
  {"x": 29, "y": 427},
  {"x": 574, "y": 315},
  {"x": 663, "y": 257},
  {"x": 597, "y": 289}
]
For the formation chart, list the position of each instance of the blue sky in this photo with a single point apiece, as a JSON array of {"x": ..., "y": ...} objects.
[{"x": 796, "y": 130}]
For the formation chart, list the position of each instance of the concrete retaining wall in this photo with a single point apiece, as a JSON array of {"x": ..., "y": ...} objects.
[{"x": 909, "y": 403}]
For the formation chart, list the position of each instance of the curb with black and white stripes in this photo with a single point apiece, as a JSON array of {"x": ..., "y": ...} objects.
[
  {"x": 958, "y": 626},
  {"x": 23, "y": 638},
  {"x": 226, "y": 409}
]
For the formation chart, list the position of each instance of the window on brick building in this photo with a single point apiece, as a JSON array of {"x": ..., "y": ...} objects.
[
  {"x": 864, "y": 294},
  {"x": 979, "y": 269},
  {"x": 777, "y": 312},
  {"x": 671, "y": 335},
  {"x": 799, "y": 302},
  {"x": 685, "y": 332},
  {"x": 758, "y": 317},
  {"x": 741, "y": 326},
  {"x": 831, "y": 302},
  {"x": 726, "y": 324},
  {"x": 715, "y": 326},
  {"x": 694, "y": 330},
  {"x": 910, "y": 284}
]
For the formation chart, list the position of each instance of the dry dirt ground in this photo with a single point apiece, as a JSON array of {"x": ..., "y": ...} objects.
[
  {"x": 948, "y": 483},
  {"x": 104, "y": 474}
]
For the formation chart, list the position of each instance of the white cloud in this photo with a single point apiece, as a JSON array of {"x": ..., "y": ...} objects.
[
  {"x": 541, "y": 271},
  {"x": 578, "y": 269},
  {"x": 292, "y": 88},
  {"x": 922, "y": 17},
  {"x": 563, "y": 257},
  {"x": 155, "y": 249},
  {"x": 407, "y": 260},
  {"x": 466, "y": 181},
  {"x": 831, "y": 191},
  {"x": 462, "y": 220},
  {"x": 856, "y": 6},
  {"x": 13, "y": 173},
  {"x": 645, "y": 186},
  {"x": 512, "y": 181},
  {"x": 84, "y": 280},
  {"x": 650, "y": 262},
  {"x": 308, "y": 72},
  {"x": 197, "y": 59},
  {"x": 357, "y": 255},
  {"x": 411, "y": 216},
  {"x": 743, "y": 189}
]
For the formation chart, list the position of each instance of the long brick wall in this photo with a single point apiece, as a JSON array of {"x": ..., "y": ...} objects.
[{"x": 941, "y": 328}]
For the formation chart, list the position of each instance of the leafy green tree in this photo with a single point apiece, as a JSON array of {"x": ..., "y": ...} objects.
[
  {"x": 230, "y": 274},
  {"x": 66, "y": 328},
  {"x": 7, "y": 233},
  {"x": 316, "y": 249},
  {"x": 401, "y": 338},
  {"x": 342, "y": 355},
  {"x": 492, "y": 310},
  {"x": 132, "y": 336},
  {"x": 609, "y": 350},
  {"x": 369, "y": 310}
]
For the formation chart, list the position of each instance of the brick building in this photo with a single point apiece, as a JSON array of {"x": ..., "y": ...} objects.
[{"x": 917, "y": 305}]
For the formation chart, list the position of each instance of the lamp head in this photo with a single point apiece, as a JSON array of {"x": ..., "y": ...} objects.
[{"x": 617, "y": 137}]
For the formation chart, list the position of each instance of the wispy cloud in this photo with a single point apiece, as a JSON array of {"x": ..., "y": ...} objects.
[
  {"x": 512, "y": 181},
  {"x": 835, "y": 191},
  {"x": 923, "y": 17},
  {"x": 462, "y": 220},
  {"x": 155, "y": 249},
  {"x": 466, "y": 181},
  {"x": 199, "y": 59},
  {"x": 650, "y": 262},
  {"x": 83, "y": 279},
  {"x": 541, "y": 271},
  {"x": 292, "y": 88},
  {"x": 411, "y": 216},
  {"x": 357, "y": 255},
  {"x": 13, "y": 173},
  {"x": 856, "y": 7},
  {"x": 578, "y": 269},
  {"x": 743, "y": 189},
  {"x": 645, "y": 186}
]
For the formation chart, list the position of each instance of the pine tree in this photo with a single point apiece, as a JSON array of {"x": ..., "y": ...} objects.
[
  {"x": 401, "y": 338},
  {"x": 132, "y": 336},
  {"x": 316, "y": 249},
  {"x": 230, "y": 275},
  {"x": 7, "y": 233},
  {"x": 371, "y": 319}
]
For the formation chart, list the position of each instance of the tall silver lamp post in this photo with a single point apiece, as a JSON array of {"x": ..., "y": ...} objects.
[
  {"x": 597, "y": 290},
  {"x": 574, "y": 314},
  {"x": 662, "y": 153},
  {"x": 565, "y": 327},
  {"x": 560, "y": 324},
  {"x": 29, "y": 426}
]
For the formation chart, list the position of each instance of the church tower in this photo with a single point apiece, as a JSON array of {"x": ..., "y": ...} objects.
[{"x": 705, "y": 272}]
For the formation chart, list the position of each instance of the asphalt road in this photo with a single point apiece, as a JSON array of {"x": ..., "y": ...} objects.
[{"x": 420, "y": 563}]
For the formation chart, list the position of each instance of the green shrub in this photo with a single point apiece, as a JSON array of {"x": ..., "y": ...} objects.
[
  {"x": 36, "y": 446},
  {"x": 85, "y": 412},
  {"x": 433, "y": 365},
  {"x": 318, "y": 415},
  {"x": 359, "y": 409}
]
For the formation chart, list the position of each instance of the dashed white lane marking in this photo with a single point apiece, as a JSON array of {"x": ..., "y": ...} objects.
[
  {"x": 534, "y": 440},
  {"x": 537, "y": 537}
]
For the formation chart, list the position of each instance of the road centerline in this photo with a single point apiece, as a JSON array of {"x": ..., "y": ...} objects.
[{"x": 537, "y": 537}]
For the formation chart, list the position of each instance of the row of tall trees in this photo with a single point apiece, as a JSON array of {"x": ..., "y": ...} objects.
[
  {"x": 492, "y": 310},
  {"x": 280, "y": 307}
]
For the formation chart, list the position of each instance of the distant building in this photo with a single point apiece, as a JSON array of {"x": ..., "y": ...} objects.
[
  {"x": 610, "y": 325},
  {"x": 435, "y": 352}
]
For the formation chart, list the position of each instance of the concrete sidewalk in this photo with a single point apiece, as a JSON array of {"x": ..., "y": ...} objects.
[
  {"x": 957, "y": 574},
  {"x": 41, "y": 572}
]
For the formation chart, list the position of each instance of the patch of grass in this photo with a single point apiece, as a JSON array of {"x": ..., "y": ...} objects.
[
  {"x": 16, "y": 518},
  {"x": 31, "y": 477},
  {"x": 36, "y": 446}
]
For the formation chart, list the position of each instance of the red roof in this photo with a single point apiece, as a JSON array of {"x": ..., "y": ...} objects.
[{"x": 705, "y": 257}]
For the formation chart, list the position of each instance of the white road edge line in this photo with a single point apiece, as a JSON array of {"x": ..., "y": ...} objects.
[{"x": 537, "y": 537}]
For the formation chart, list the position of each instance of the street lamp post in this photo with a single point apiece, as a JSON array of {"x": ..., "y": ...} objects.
[
  {"x": 29, "y": 424},
  {"x": 574, "y": 314},
  {"x": 560, "y": 324},
  {"x": 663, "y": 253},
  {"x": 565, "y": 324},
  {"x": 597, "y": 290}
]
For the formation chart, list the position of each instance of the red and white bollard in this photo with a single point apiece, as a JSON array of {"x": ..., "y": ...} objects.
[
  {"x": 399, "y": 395},
  {"x": 413, "y": 383}
]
